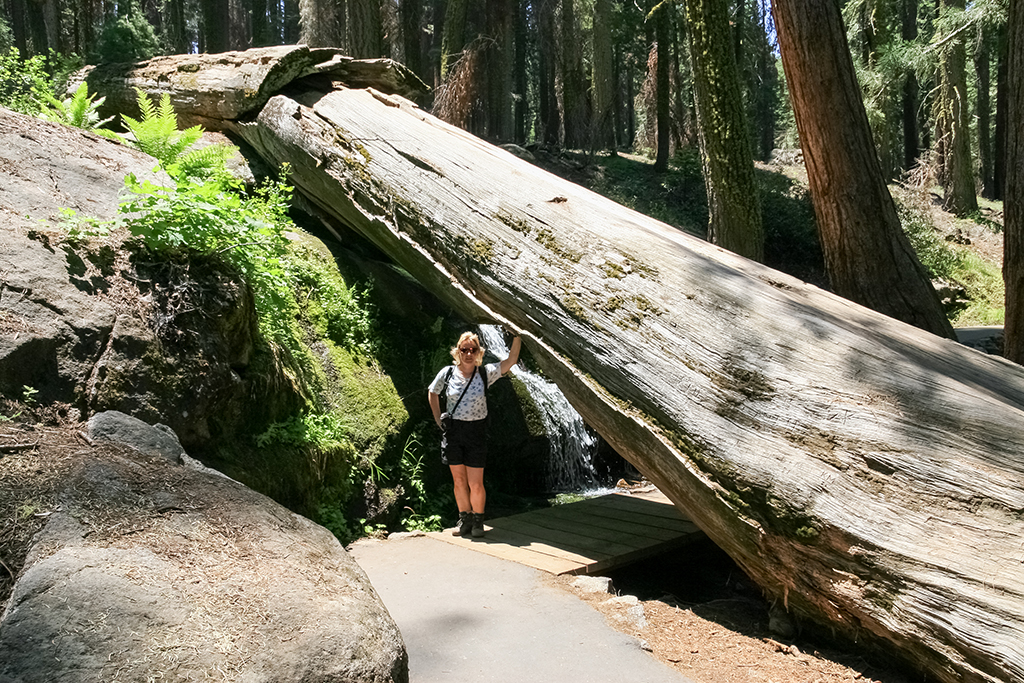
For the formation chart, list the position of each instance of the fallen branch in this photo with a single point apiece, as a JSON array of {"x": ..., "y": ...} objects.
[{"x": 17, "y": 447}]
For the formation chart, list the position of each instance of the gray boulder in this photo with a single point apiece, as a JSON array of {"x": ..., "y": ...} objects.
[
  {"x": 151, "y": 570},
  {"x": 158, "y": 440},
  {"x": 91, "y": 325},
  {"x": 51, "y": 331},
  {"x": 53, "y": 326}
]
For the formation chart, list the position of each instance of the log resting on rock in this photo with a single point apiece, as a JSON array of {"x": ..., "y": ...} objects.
[{"x": 866, "y": 474}]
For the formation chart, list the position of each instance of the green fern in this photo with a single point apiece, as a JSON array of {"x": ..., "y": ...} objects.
[
  {"x": 157, "y": 134},
  {"x": 204, "y": 164},
  {"x": 79, "y": 111}
]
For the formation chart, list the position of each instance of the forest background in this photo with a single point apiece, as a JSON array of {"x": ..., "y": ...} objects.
[
  {"x": 659, "y": 78},
  {"x": 932, "y": 80}
]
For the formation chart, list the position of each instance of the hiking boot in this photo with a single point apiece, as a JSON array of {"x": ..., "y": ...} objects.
[
  {"x": 478, "y": 525},
  {"x": 464, "y": 525}
]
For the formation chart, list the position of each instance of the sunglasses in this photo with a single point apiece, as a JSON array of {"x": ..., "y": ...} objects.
[{"x": 468, "y": 349}]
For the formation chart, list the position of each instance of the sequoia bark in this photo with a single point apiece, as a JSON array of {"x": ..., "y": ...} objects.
[{"x": 868, "y": 257}]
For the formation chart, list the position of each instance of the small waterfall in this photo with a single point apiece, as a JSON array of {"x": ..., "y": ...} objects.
[{"x": 573, "y": 444}]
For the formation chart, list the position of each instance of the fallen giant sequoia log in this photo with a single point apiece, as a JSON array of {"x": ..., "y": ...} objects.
[{"x": 865, "y": 474}]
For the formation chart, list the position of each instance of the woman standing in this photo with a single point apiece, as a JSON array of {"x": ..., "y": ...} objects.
[{"x": 464, "y": 440}]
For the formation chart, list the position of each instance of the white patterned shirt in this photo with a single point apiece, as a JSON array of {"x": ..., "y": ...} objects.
[{"x": 474, "y": 403}]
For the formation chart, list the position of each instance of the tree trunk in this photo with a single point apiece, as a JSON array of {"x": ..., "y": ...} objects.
[
  {"x": 240, "y": 28},
  {"x": 877, "y": 40},
  {"x": 320, "y": 23},
  {"x": 547, "y": 99},
  {"x": 683, "y": 115},
  {"x": 952, "y": 120},
  {"x": 454, "y": 38},
  {"x": 739, "y": 25},
  {"x": 275, "y": 20},
  {"x": 982, "y": 62},
  {"x": 762, "y": 407},
  {"x": 868, "y": 257},
  {"x": 209, "y": 90},
  {"x": 366, "y": 35},
  {"x": 290, "y": 18},
  {"x": 765, "y": 86},
  {"x": 999, "y": 170},
  {"x": 261, "y": 34},
  {"x": 911, "y": 144},
  {"x": 602, "y": 79},
  {"x": 177, "y": 28},
  {"x": 216, "y": 21},
  {"x": 521, "y": 108},
  {"x": 51, "y": 16},
  {"x": 662, "y": 89},
  {"x": 630, "y": 109},
  {"x": 575, "y": 116},
  {"x": 37, "y": 29},
  {"x": 865, "y": 474},
  {"x": 412, "y": 34},
  {"x": 499, "y": 55},
  {"x": 437, "y": 10},
  {"x": 392, "y": 42},
  {"x": 734, "y": 210},
  {"x": 19, "y": 26},
  {"x": 1013, "y": 231}
]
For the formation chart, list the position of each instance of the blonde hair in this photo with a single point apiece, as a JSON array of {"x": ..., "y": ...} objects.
[{"x": 478, "y": 357}]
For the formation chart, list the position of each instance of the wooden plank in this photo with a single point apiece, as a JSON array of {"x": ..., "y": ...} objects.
[
  {"x": 585, "y": 537},
  {"x": 657, "y": 504},
  {"x": 517, "y": 542},
  {"x": 617, "y": 506},
  {"x": 640, "y": 519},
  {"x": 651, "y": 533},
  {"x": 618, "y": 501},
  {"x": 607, "y": 531},
  {"x": 506, "y": 547},
  {"x": 591, "y": 548},
  {"x": 636, "y": 555}
]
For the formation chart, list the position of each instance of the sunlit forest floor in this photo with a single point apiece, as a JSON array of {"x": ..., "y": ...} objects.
[{"x": 964, "y": 253}]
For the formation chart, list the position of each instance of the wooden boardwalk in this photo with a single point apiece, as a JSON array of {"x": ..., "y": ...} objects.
[{"x": 593, "y": 535}]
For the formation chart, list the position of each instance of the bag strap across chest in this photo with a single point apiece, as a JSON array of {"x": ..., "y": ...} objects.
[{"x": 447, "y": 379}]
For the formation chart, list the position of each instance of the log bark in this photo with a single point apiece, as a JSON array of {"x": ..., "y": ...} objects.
[
  {"x": 208, "y": 89},
  {"x": 866, "y": 474}
]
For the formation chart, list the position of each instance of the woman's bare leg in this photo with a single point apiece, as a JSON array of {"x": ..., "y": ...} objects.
[
  {"x": 462, "y": 488},
  {"x": 477, "y": 493}
]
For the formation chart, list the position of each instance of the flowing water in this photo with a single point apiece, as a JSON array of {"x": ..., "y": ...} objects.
[{"x": 573, "y": 443}]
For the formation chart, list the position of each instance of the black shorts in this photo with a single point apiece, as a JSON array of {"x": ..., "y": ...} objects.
[{"x": 465, "y": 443}]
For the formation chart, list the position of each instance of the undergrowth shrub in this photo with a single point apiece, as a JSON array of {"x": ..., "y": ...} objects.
[
  {"x": 791, "y": 242},
  {"x": 79, "y": 111},
  {"x": 333, "y": 309},
  {"x": 676, "y": 196},
  {"x": 320, "y": 327},
  {"x": 982, "y": 281},
  {"x": 126, "y": 38},
  {"x": 424, "y": 508},
  {"x": 23, "y": 83}
]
